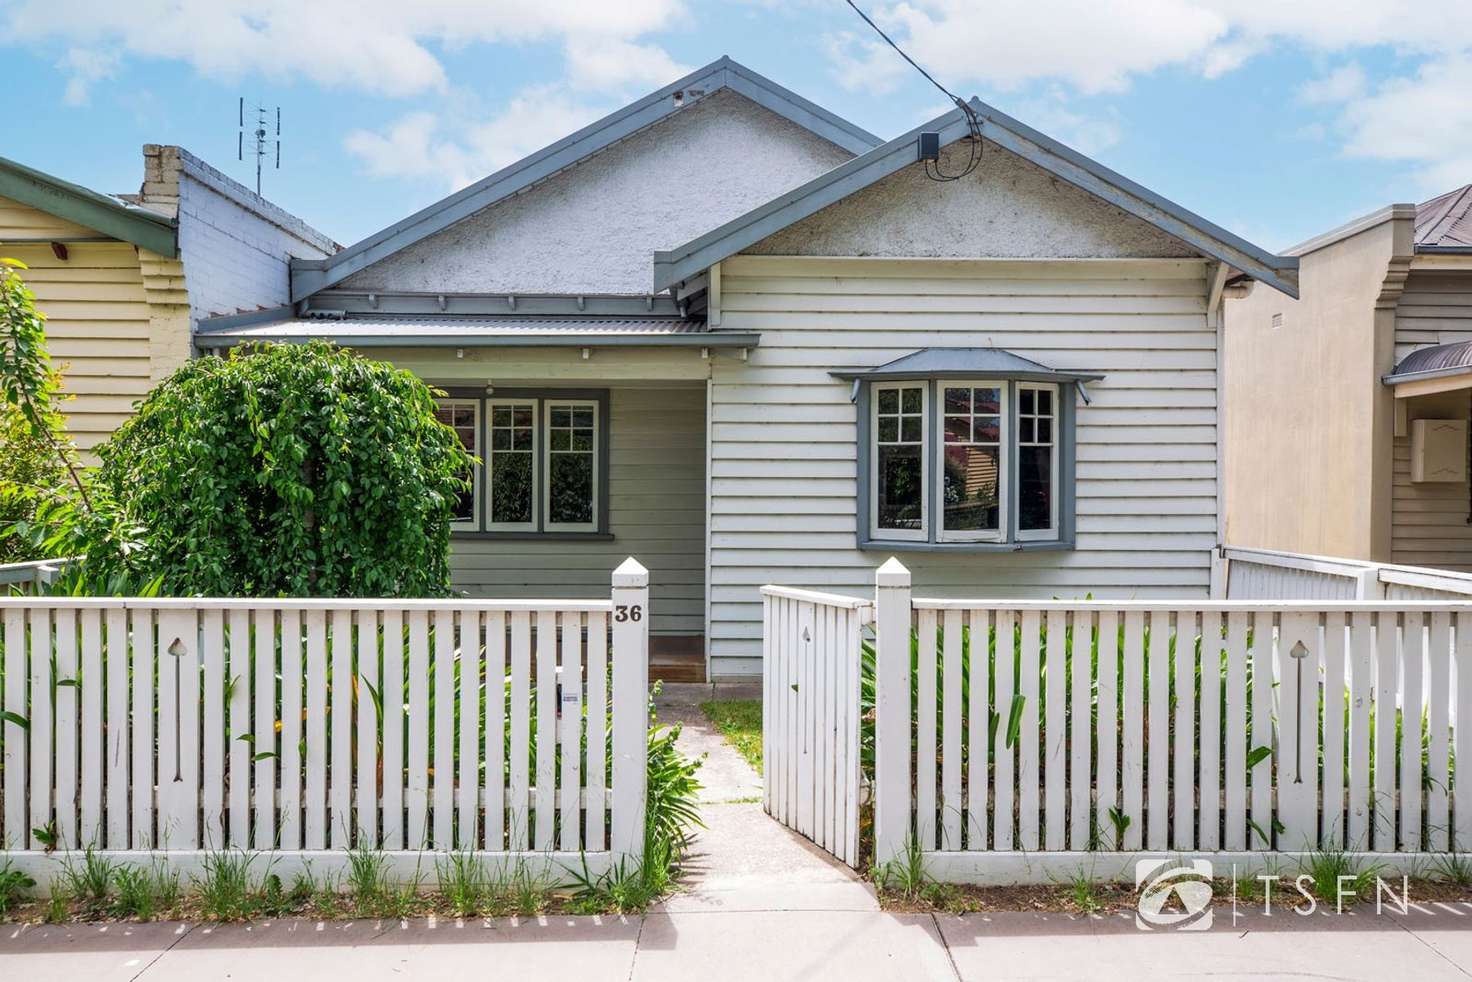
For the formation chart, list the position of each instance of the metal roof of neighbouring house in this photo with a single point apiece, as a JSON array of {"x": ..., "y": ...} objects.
[
  {"x": 688, "y": 261},
  {"x": 311, "y": 275},
  {"x": 1433, "y": 361},
  {"x": 102, "y": 212},
  {"x": 1445, "y": 222},
  {"x": 485, "y": 331}
]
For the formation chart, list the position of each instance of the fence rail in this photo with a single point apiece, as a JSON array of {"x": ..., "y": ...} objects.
[
  {"x": 1015, "y": 739},
  {"x": 811, "y": 679},
  {"x": 513, "y": 728}
]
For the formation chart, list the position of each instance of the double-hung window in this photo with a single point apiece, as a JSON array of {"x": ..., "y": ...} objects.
[
  {"x": 543, "y": 461},
  {"x": 951, "y": 459}
]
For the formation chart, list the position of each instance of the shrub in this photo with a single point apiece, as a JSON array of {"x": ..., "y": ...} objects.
[{"x": 298, "y": 470}]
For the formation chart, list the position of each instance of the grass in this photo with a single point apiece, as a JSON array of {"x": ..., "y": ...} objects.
[{"x": 740, "y": 722}]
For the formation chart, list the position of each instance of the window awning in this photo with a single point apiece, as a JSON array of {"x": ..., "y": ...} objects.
[
  {"x": 1436, "y": 368},
  {"x": 964, "y": 363}
]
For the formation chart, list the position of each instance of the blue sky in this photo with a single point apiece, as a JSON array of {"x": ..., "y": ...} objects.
[{"x": 1277, "y": 120}]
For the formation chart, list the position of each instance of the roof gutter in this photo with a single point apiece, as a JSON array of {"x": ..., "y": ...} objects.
[
  {"x": 227, "y": 339},
  {"x": 83, "y": 206}
]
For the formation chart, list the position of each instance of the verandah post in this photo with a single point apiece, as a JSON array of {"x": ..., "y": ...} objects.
[
  {"x": 630, "y": 707},
  {"x": 891, "y": 711}
]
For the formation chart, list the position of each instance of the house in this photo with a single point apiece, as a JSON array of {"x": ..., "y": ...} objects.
[
  {"x": 1355, "y": 396},
  {"x": 123, "y": 278},
  {"x": 727, "y": 332}
]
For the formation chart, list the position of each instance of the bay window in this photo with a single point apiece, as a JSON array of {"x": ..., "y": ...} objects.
[
  {"x": 543, "y": 462},
  {"x": 966, "y": 449}
]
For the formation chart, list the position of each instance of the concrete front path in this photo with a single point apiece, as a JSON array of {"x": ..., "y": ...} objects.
[{"x": 760, "y": 903}]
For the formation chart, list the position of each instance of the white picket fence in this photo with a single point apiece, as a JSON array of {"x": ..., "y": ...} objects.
[
  {"x": 811, "y": 679},
  {"x": 1266, "y": 574},
  {"x": 305, "y": 728},
  {"x": 1024, "y": 741}
]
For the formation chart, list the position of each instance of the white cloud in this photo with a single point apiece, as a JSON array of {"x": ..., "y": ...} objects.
[
  {"x": 379, "y": 46},
  {"x": 1344, "y": 83},
  {"x": 1090, "y": 132},
  {"x": 85, "y": 67},
  {"x": 600, "y": 63},
  {"x": 1423, "y": 119},
  {"x": 454, "y": 150}
]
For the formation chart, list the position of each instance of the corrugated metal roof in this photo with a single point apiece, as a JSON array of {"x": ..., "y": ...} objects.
[
  {"x": 965, "y": 362},
  {"x": 490, "y": 330},
  {"x": 1433, "y": 361},
  {"x": 1446, "y": 220}
]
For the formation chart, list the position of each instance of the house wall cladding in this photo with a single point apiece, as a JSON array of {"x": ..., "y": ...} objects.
[
  {"x": 783, "y": 431},
  {"x": 592, "y": 228},
  {"x": 1431, "y": 524},
  {"x": 97, "y": 317},
  {"x": 656, "y": 511}
]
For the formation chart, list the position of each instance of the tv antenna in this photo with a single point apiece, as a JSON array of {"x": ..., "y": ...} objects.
[{"x": 262, "y": 142}]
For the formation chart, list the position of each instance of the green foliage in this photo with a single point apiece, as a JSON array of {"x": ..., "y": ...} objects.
[
  {"x": 145, "y": 892},
  {"x": 224, "y": 890},
  {"x": 30, "y": 473},
  {"x": 13, "y": 887},
  {"x": 90, "y": 881},
  {"x": 740, "y": 722},
  {"x": 298, "y": 470}
]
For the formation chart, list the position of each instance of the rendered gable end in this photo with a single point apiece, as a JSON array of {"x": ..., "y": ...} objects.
[
  {"x": 1006, "y": 208},
  {"x": 593, "y": 227}
]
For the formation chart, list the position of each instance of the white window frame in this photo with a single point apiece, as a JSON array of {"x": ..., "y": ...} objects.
[
  {"x": 472, "y": 523},
  {"x": 876, "y": 533},
  {"x": 1050, "y": 533},
  {"x": 488, "y": 502},
  {"x": 548, "y": 403},
  {"x": 1004, "y": 470}
]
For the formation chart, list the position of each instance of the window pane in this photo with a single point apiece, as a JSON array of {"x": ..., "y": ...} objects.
[
  {"x": 958, "y": 400},
  {"x": 889, "y": 429},
  {"x": 901, "y": 487},
  {"x": 910, "y": 429},
  {"x": 501, "y": 416},
  {"x": 570, "y": 476},
  {"x": 1025, "y": 430},
  {"x": 523, "y": 416},
  {"x": 582, "y": 416},
  {"x": 1035, "y": 487},
  {"x": 958, "y": 429},
  {"x": 988, "y": 401},
  {"x": 561, "y": 440},
  {"x": 1045, "y": 402},
  {"x": 912, "y": 399},
  {"x": 1045, "y": 430},
  {"x": 988, "y": 429},
  {"x": 889, "y": 400},
  {"x": 521, "y": 439},
  {"x": 1025, "y": 400},
  {"x": 500, "y": 439},
  {"x": 561, "y": 415},
  {"x": 511, "y": 487},
  {"x": 582, "y": 440},
  {"x": 970, "y": 489}
]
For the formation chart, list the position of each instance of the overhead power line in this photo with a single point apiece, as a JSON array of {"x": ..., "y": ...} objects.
[{"x": 973, "y": 121}]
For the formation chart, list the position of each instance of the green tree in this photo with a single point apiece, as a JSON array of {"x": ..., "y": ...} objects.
[
  {"x": 41, "y": 480},
  {"x": 296, "y": 470}
]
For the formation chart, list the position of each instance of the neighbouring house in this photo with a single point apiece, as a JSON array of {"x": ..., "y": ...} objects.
[
  {"x": 728, "y": 333},
  {"x": 1352, "y": 401},
  {"x": 124, "y": 278}
]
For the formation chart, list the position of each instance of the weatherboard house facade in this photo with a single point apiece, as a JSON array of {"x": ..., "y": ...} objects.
[{"x": 728, "y": 333}]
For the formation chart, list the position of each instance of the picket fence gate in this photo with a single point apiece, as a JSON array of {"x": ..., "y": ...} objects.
[
  {"x": 178, "y": 728},
  {"x": 1030, "y": 741}
]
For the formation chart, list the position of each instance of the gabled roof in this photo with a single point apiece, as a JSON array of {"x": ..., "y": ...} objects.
[
  {"x": 83, "y": 206},
  {"x": 1445, "y": 222},
  {"x": 978, "y": 363},
  {"x": 692, "y": 258},
  {"x": 309, "y": 276}
]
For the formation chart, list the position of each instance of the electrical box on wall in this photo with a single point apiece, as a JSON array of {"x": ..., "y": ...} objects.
[{"x": 1438, "y": 450}]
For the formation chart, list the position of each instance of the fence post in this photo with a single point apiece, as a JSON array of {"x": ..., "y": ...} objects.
[
  {"x": 1367, "y": 585},
  {"x": 630, "y": 707},
  {"x": 891, "y": 711}
]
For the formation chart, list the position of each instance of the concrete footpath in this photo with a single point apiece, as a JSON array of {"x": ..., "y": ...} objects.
[{"x": 760, "y": 903}]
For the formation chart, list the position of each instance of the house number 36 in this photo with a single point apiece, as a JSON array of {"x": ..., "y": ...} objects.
[{"x": 625, "y": 612}]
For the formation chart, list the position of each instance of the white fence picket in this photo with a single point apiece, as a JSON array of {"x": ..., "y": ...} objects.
[
  {"x": 571, "y": 708},
  {"x": 65, "y": 748},
  {"x": 1004, "y": 753},
  {"x": 1413, "y": 649},
  {"x": 237, "y": 705},
  {"x": 518, "y": 807},
  {"x": 290, "y": 801},
  {"x": 545, "y": 807},
  {"x": 978, "y": 715},
  {"x": 416, "y": 795},
  {"x": 314, "y": 812},
  {"x": 366, "y": 682},
  {"x": 443, "y": 752},
  {"x": 141, "y": 780},
  {"x": 1387, "y": 669},
  {"x": 1361, "y": 689},
  {"x": 1055, "y": 736},
  {"x": 178, "y": 738},
  {"x": 467, "y": 801},
  {"x": 212, "y": 655},
  {"x": 1107, "y": 729},
  {"x": 1132, "y": 740},
  {"x": 1234, "y": 820},
  {"x": 93, "y": 770},
  {"x": 1261, "y": 737},
  {"x": 1438, "y": 708},
  {"x": 263, "y": 746},
  {"x": 340, "y": 732},
  {"x": 1462, "y": 790},
  {"x": 1183, "y": 778},
  {"x": 597, "y": 728},
  {"x": 1208, "y": 836},
  {"x": 1157, "y": 733},
  {"x": 14, "y": 833},
  {"x": 392, "y": 692},
  {"x": 1028, "y": 685},
  {"x": 1331, "y": 807},
  {"x": 40, "y": 735}
]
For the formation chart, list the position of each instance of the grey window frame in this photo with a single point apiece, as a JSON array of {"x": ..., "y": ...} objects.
[
  {"x": 1065, "y": 458},
  {"x": 541, "y": 396}
]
